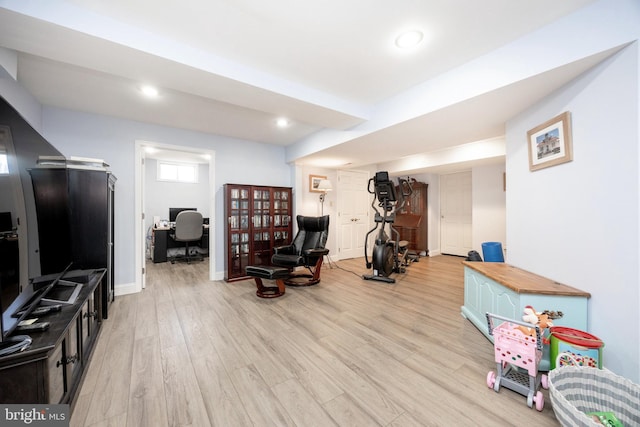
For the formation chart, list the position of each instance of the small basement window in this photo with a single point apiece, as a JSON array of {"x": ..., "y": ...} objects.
[
  {"x": 4, "y": 164},
  {"x": 178, "y": 172}
]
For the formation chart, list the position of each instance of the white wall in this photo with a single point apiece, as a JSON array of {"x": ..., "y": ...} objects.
[
  {"x": 162, "y": 195},
  {"x": 112, "y": 139},
  {"x": 578, "y": 223},
  {"x": 488, "y": 199},
  {"x": 21, "y": 100},
  {"x": 308, "y": 203}
]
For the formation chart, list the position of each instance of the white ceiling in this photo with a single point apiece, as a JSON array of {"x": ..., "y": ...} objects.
[{"x": 232, "y": 67}]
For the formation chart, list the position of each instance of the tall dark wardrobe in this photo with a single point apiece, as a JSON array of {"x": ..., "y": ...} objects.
[{"x": 75, "y": 211}]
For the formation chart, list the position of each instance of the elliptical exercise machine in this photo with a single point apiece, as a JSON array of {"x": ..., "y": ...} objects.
[{"x": 389, "y": 252}]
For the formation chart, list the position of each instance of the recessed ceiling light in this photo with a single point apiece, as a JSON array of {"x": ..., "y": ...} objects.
[
  {"x": 282, "y": 122},
  {"x": 149, "y": 91},
  {"x": 409, "y": 39}
]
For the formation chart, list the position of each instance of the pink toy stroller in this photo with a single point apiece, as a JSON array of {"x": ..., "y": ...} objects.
[{"x": 518, "y": 348}]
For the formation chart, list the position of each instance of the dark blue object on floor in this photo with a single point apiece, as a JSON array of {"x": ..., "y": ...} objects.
[{"x": 492, "y": 252}]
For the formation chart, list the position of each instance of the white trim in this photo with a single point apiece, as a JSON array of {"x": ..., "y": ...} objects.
[
  {"x": 126, "y": 289},
  {"x": 138, "y": 228}
]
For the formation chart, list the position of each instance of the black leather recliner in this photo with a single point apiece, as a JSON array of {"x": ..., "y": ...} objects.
[{"x": 306, "y": 250}]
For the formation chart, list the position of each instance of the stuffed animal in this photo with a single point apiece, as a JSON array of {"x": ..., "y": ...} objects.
[
  {"x": 535, "y": 318},
  {"x": 544, "y": 321},
  {"x": 530, "y": 315}
]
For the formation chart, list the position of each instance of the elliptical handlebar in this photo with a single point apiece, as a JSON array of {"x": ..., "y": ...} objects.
[{"x": 406, "y": 189}]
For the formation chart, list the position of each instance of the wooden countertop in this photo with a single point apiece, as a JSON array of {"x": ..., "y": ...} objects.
[{"x": 521, "y": 281}]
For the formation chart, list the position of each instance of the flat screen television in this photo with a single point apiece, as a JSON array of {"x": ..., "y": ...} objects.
[
  {"x": 6, "y": 223},
  {"x": 23, "y": 145},
  {"x": 173, "y": 212}
]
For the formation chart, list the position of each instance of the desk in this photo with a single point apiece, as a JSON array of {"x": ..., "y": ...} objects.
[{"x": 161, "y": 242}]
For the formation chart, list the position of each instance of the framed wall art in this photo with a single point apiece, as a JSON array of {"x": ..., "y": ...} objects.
[
  {"x": 314, "y": 181},
  {"x": 549, "y": 144}
]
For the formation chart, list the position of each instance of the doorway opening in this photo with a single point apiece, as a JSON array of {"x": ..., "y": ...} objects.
[{"x": 147, "y": 152}]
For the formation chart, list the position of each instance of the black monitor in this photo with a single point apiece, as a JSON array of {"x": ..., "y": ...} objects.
[
  {"x": 173, "y": 212},
  {"x": 6, "y": 223}
]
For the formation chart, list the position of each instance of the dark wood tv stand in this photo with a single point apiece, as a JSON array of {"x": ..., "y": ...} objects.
[{"x": 51, "y": 370}]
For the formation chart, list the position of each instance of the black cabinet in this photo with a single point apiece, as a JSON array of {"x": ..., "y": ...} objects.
[
  {"x": 75, "y": 213},
  {"x": 52, "y": 368}
]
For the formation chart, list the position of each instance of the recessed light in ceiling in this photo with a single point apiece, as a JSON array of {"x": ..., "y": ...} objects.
[
  {"x": 149, "y": 91},
  {"x": 409, "y": 39},
  {"x": 282, "y": 122}
]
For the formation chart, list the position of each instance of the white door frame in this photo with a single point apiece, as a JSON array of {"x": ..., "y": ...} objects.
[{"x": 140, "y": 232}]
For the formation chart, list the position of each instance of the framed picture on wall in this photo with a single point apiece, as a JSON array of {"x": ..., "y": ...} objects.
[
  {"x": 549, "y": 144},
  {"x": 314, "y": 181}
]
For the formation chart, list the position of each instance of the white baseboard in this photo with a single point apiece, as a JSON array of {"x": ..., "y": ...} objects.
[{"x": 125, "y": 289}]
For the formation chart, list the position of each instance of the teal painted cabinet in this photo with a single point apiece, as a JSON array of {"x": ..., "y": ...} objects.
[{"x": 505, "y": 290}]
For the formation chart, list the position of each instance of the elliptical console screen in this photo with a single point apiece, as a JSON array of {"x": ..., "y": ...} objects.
[{"x": 385, "y": 190}]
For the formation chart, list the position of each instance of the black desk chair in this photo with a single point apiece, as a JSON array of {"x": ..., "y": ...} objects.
[
  {"x": 188, "y": 229},
  {"x": 307, "y": 250}
]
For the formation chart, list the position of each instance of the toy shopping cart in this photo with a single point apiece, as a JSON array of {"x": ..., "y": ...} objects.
[{"x": 518, "y": 350}]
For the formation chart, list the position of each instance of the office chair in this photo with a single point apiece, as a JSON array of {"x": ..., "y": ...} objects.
[
  {"x": 188, "y": 229},
  {"x": 306, "y": 250}
]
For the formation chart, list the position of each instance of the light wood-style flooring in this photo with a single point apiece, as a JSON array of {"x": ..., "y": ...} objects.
[{"x": 346, "y": 352}]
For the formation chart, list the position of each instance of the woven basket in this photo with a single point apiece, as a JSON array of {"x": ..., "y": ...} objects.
[{"x": 574, "y": 391}]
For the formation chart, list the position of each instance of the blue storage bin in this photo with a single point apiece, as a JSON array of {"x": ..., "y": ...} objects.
[{"x": 492, "y": 252}]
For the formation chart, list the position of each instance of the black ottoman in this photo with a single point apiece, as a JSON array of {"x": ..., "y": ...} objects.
[{"x": 259, "y": 272}]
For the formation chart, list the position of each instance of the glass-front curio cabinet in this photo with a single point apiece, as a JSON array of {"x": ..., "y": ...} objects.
[{"x": 258, "y": 219}]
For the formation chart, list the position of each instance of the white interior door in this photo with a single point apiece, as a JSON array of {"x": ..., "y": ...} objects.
[
  {"x": 455, "y": 213},
  {"x": 354, "y": 203}
]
